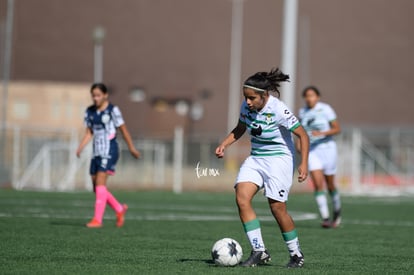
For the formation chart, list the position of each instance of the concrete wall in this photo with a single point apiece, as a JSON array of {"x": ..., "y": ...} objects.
[
  {"x": 359, "y": 52},
  {"x": 47, "y": 105}
]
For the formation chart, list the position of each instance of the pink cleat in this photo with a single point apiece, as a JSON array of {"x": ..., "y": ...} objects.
[
  {"x": 94, "y": 224},
  {"x": 120, "y": 217}
]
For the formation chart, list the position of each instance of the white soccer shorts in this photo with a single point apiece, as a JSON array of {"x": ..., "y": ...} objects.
[
  {"x": 274, "y": 174},
  {"x": 323, "y": 157}
]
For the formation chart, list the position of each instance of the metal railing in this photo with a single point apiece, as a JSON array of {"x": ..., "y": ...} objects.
[{"x": 369, "y": 160}]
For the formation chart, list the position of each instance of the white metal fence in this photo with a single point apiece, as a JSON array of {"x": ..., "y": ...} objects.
[
  {"x": 376, "y": 160},
  {"x": 45, "y": 160},
  {"x": 371, "y": 161}
]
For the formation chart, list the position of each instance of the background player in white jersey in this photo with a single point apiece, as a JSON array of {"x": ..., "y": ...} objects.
[
  {"x": 102, "y": 120},
  {"x": 321, "y": 124},
  {"x": 270, "y": 165}
]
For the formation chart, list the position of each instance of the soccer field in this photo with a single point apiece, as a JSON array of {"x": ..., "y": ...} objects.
[{"x": 165, "y": 233}]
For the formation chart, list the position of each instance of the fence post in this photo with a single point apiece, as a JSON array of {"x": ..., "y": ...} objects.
[
  {"x": 73, "y": 159},
  {"x": 68, "y": 180},
  {"x": 16, "y": 158},
  {"x": 178, "y": 159},
  {"x": 395, "y": 137},
  {"x": 87, "y": 176},
  {"x": 356, "y": 160},
  {"x": 46, "y": 168},
  {"x": 159, "y": 162}
]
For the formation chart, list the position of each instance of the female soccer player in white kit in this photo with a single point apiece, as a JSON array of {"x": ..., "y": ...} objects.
[
  {"x": 102, "y": 119},
  {"x": 321, "y": 124},
  {"x": 270, "y": 165}
]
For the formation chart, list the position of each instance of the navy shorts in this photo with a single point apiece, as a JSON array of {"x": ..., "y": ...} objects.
[{"x": 102, "y": 164}]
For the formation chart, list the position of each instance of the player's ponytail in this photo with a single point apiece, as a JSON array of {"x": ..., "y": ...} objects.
[{"x": 266, "y": 81}]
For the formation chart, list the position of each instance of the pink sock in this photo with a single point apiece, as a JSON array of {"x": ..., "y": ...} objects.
[
  {"x": 116, "y": 206},
  {"x": 100, "y": 202}
]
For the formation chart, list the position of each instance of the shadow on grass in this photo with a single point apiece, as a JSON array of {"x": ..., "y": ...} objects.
[
  {"x": 209, "y": 261},
  {"x": 67, "y": 223}
]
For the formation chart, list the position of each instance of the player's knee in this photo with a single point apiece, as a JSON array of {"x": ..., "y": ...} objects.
[
  {"x": 318, "y": 183},
  {"x": 243, "y": 201},
  {"x": 278, "y": 209},
  {"x": 244, "y": 195}
]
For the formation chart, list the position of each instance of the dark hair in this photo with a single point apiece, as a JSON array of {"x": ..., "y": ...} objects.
[
  {"x": 268, "y": 81},
  {"x": 312, "y": 88},
  {"x": 99, "y": 86}
]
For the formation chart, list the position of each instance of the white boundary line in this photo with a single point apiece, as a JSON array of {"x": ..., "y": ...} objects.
[
  {"x": 297, "y": 216},
  {"x": 158, "y": 217}
]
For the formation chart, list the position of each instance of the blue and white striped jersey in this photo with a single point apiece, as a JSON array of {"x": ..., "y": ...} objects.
[{"x": 103, "y": 125}]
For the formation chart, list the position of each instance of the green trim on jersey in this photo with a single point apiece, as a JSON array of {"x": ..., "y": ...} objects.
[
  {"x": 295, "y": 126},
  {"x": 258, "y": 121},
  {"x": 262, "y": 122},
  {"x": 256, "y": 154},
  {"x": 265, "y": 142},
  {"x": 265, "y": 139}
]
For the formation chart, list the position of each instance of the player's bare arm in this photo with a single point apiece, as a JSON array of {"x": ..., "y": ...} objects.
[
  {"x": 127, "y": 137},
  {"x": 237, "y": 132},
  {"x": 85, "y": 140},
  {"x": 334, "y": 130},
  {"x": 297, "y": 145},
  {"x": 303, "y": 141}
]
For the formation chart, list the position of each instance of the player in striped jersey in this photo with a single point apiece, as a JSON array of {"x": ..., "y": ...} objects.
[
  {"x": 102, "y": 119},
  {"x": 321, "y": 124},
  {"x": 270, "y": 165}
]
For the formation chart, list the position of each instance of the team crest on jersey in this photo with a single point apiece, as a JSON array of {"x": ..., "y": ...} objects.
[
  {"x": 105, "y": 118},
  {"x": 268, "y": 118}
]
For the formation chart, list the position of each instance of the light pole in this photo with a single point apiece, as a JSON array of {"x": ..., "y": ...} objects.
[
  {"x": 235, "y": 63},
  {"x": 289, "y": 37},
  {"x": 7, "y": 61},
  {"x": 8, "y": 38},
  {"x": 235, "y": 74},
  {"x": 98, "y": 37}
]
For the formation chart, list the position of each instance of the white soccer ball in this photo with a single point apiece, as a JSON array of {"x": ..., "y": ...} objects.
[{"x": 226, "y": 252}]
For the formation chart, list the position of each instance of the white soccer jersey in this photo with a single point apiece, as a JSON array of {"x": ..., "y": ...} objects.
[
  {"x": 103, "y": 125},
  {"x": 270, "y": 128},
  {"x": 317, "y": 119}
]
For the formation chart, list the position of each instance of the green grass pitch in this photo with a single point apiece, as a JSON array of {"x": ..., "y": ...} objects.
[{"x": 165, "y": 233}]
